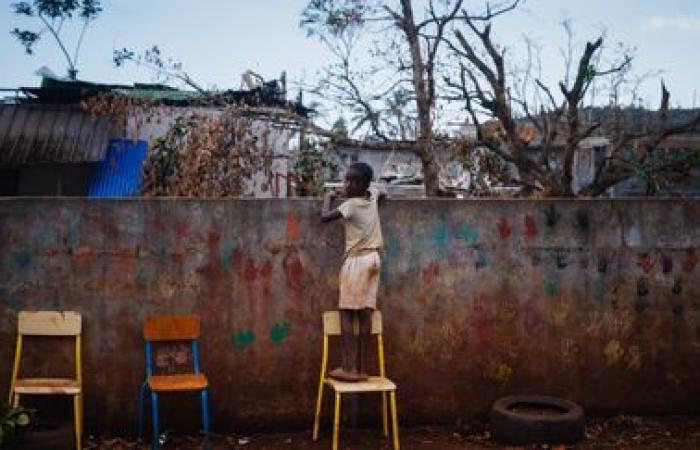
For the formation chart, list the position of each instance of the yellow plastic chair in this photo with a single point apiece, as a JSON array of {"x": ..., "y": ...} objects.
[
  {"x": 380, "y": 384},
  {"x": 50, "y": 323}
]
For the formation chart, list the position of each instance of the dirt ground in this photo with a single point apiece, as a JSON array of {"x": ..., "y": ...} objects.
[{"x": 624, "y": 432}]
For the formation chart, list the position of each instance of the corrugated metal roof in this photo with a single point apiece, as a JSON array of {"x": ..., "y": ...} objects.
[
  {"x": 59, "y": 91},
  {"x": 119, "y": 175},
  {"x": 32, "y": 134}
]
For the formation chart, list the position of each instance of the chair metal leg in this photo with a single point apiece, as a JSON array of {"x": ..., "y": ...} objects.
[
  {"x": 385, "y": 416},
  {"x": 82, "y": 413},
  {"x": 142, "y": 399},
  {"x": 205, "y": 416},
  {"x": 154, "y": 424},
  {"x": 15, "y": 400},
  {"x": 317, "y": 415},
  {"x": 394, "y": 419},
  {"x": 336, "y": 421},
  {"x": 77, "y": 419}
]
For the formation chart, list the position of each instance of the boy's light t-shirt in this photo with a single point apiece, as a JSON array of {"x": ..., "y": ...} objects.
[{"x": 362, "y": 228}]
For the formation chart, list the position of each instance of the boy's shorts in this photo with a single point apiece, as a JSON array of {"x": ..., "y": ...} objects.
[{"x": 359, "y": 281}]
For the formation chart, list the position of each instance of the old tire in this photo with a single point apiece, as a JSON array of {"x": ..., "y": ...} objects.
[{"x": 533, "y": 419}]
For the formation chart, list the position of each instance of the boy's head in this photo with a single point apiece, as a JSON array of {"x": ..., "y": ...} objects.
[{"x": 357, "y": 179}]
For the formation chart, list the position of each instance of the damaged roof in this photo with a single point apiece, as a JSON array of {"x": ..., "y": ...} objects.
[
  {"x": 60, "y": 91},
  {"x": 47, "y": 124},
  {"x": 34, "y": 134}
]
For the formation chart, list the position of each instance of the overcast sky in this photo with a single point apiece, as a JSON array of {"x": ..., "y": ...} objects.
[{"x": 217, "y": 40}]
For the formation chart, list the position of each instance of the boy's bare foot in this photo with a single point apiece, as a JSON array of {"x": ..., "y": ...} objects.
[{"x": 341, "y": 374}]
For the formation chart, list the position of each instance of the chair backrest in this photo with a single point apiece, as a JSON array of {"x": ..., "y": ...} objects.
[
  {"x": 331, "y": 323},
  {"x": 331, "y": 327},
  {"x": 172, "y": 328},
  {"x": 49, "y": 323}
]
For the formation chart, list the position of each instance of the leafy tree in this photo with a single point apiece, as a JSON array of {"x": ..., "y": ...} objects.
[
  {"x": 53, "y": 15},
  {"x": 309, "y": 168},
  {"x": 339, "y": 129}
]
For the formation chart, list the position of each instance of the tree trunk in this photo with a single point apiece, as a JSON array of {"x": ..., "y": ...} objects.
[
  {"x": 427, "y": 156},
  {"x": 424, "y": 102}
]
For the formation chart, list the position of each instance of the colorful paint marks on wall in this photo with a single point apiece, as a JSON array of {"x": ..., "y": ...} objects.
[
  {"x": 642, "y": 287},
  {"x": 530, "y": 227},
  {"x": 294, "y": 270},
  {"x": 22, "y": 259},
  {"x": 613, "y": 352},
  {"x": 250, "y": 270},
  {"x": 690, "y": 260},
  {"x": 227, "y": 251},
  {"x": 243, "y": 339},
  {"x": 480, "y": 259},
  {"x": 441, "y": 238},
  {"x": 431, "y": 272},
  {"x": 292, "y": 227},
  {"x": 504, "y": 229},
  {"x": 666, "y": 264},
  {"x": 583, "y": 222},
  {"x": 551, "y": 285},
  {"x": 561, "y": 259},
  {"x": 468, "y": 233},
  {"x": 441, "y": 234},
  {"x": 392, "y": 247},
  {"x": 600, "y": 289},
  {"x": 551, "y": 216},
  {"x": 211, "y": 270},
  {"x": 646, "y": 262},
  {"x": 498, "y": 371},
  {"x": 280, "y": 332}
]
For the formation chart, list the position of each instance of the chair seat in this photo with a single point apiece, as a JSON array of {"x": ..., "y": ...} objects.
[
  {"x": 47, "y": 386},
  {"x": 186, "y": 382},
  {"x": 373, "y": 384}
]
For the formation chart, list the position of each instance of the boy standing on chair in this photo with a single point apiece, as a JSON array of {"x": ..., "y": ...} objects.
[{"x": 359, "y": 275}]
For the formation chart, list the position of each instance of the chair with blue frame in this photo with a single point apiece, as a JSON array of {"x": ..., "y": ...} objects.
[{"x": 161, "y": 329}]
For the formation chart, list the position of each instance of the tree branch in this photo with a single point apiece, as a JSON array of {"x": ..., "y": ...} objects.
[{"x": 58, "y": 41}]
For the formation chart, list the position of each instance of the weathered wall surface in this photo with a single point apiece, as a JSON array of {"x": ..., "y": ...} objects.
[{"x": 598, "y": 301}]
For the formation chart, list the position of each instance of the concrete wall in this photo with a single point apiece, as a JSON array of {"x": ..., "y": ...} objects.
[{"x": 598, "y": 301}]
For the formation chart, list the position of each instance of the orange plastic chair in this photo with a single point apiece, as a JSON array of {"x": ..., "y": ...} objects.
[
  {"x": 172, "y": 329},
  {"x": 53, "y": 324}
]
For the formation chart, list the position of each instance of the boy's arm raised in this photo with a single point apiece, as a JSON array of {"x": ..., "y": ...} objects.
[{"x": 328, "y": 214}]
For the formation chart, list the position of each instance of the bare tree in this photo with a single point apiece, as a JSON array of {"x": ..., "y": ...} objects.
[
  {"x": 560, "y": 120},
  {"x": 165, "y": 69},
  {"x": 406, "y": 56}
]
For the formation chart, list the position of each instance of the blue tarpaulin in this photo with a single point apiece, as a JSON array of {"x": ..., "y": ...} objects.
[{"x": 119, "y": 174}]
